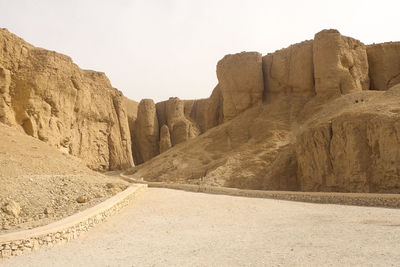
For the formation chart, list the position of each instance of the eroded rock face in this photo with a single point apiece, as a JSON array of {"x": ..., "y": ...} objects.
[
  {"x": 12, "y": 208},
  {"x": 384, "y": 65},
  {"x": 47, "y": 96},
  {"x": 6, "y": 114},
  {"x": 241, "y": 82},
  {"x": 132, "y": 112},
  {"x": 146, "y": 134},
  {"x": 290, "y": 70},
  {"x": 318, "y": 129},
  {"x": 206, "y": 113},
  {"x": 355, "y": 150},
  {"x": 340, "y": 64},
  {"x": 165, "y": 139},
  {"x": 172, "y": 114}
]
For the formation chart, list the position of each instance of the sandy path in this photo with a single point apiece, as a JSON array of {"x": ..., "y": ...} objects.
[{"x": 174, "y": 228}]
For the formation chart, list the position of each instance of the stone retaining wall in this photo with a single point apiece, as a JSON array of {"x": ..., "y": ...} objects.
[
  {"x": 356, "y": 199},
  {"x": 62, "y": 231}
]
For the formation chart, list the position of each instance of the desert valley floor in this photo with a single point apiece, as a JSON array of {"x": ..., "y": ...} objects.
[
  {"x": 166, "y": 227},
  {"x": 318, "y": 117}
]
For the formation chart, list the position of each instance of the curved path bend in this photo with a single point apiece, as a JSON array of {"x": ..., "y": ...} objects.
[{"x": 165, "y": 227}]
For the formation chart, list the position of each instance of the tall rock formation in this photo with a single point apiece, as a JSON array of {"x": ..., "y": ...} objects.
[
  {"x": 206, "y": 113},
  {"x": 353, "y": 145},
  {"x": 340, "y": 64},
  {"x": 384, "y": 65},
  {"x": 172, "y": 114},
  {"x": 319, "y": 128},
  {"x": 290, "y": 70},
  {"x": 47, "y": 96},
  {"x": 146, "y": 134},
  {"x": 241, "y": 82},
  {"x": 6, "y": 114},
  {"x": 165, "y": 139}
]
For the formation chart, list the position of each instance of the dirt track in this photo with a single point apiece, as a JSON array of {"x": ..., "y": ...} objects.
[{"x": 169, "y": 228}]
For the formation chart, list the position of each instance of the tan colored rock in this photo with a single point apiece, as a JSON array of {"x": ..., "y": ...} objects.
[
  {"x": 165, "y": 139},
  {"x": 290, "y": 70},
  {"x": 241, "y": 82},
  {"x": 243, "y": 153},
  {"x": 146, "y": 134},
  {"x": 172, "y": 112},
  {"x": 340, "y": 64},
  {"x": 43, "y": 180},
  {"x": 12, "y": 208},
  {"x": 206, "y": 113},
  {"x": 354, "y": 149},
  {"x": 48, "y": 210},
  {"x": 52, "y": 99},
  {"x": 132, "y": 112},
  {"x": 6, "y": 114},
  {"x": 180, "y": 132},
  {"x": 384, "y": 65},
  {"x": 83, "y": 199},
  {"x": 120, "y": 142}
]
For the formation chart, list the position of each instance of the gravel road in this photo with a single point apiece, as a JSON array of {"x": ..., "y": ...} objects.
[{"x": 166, "y": 227}]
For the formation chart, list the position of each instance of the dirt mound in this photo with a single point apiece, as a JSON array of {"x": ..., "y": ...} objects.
[{"x": 39, "y": 184}]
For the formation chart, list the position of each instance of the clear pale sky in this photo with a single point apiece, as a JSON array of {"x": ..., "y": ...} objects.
[{"x": 161, "y": 48}]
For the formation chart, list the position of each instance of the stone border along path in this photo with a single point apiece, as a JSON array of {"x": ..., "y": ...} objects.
[
  {"x": 354, "y": 199},
  {"x": 16, "y": 243}
]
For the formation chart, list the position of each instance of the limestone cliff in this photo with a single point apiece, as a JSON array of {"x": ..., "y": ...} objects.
[
  {"x": 352, "y": 144},
  {"x": 47, "y": 96},
  {"x": 240, "y": 78},
  {"x": 290, "y": 70},
  {"x": 384, "y": 65},
  {"x": 307, "y": 117},
  {"x": 340, "y": 64},
  {"x": 321, "y": 115},
  {"x": 146, "y": 132}
]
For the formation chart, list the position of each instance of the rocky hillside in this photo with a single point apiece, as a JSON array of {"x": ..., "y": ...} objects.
[
  {"x": 321, "y": 115},
  {"x": 39, "y": 184},
  {"x": 47, "y": 96}
]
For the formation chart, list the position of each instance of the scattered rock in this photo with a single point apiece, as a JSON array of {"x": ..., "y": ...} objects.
[
  {"x": 12, "y": 208},
  {"x": 48, "y": 210},
  {"x": 83, "y": 199},
  {"x": 111, "y": 185}
]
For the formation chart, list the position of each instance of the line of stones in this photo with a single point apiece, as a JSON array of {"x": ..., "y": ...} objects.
[
  {"x": 18, "y": 247},
  {"x": 311, "y": 197}
]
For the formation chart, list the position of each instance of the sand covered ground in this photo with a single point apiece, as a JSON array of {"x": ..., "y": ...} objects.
[
  {"x": 176, "y": 228},
  {"x": 39, "y": 184}
]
